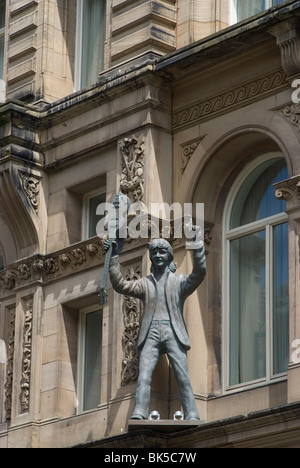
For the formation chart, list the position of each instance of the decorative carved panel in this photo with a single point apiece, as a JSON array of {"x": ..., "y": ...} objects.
[
  {"x": 26, "y": 361},
  {"x": 132, "y": 178},
  {"x": 131, "y": 318},
  {"x": 10, "y": 363}
]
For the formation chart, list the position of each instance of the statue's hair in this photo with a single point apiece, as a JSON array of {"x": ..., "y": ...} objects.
[{"x": 163, "y": 244}]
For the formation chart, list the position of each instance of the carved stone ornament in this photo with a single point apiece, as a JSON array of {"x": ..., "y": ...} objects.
[
  {"x": 26, "y": 361},
  {"x": 287, "y": 34},
  {"x": 132, "y": 178},
  {"x": 31, "y": 186},
  {"x": 292, "y": 112},
  {"x": 289, "y": 190},
  {"x": 10, "y": 364},
  {"x": 44, "y": 268},
  {"x": 187, "y": 151},
  {"x": 131, "y": 318}
]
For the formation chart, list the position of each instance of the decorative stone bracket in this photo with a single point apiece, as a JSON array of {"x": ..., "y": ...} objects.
[
  {"x": 287, "y": 34},
  {"x": 289, "y": 190}
]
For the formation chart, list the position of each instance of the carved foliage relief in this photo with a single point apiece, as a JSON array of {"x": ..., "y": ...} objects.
[
  {"x": 10, "y": 363},
  {"x": 26, "y": 360},
  {"x": 131, "y": 318},
  {"x": 132, "y": 177}
]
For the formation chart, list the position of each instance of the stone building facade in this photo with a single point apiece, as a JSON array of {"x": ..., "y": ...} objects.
[{"x": 193, "y": 102}]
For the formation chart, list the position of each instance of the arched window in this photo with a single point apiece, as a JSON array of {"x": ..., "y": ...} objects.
[{"x": 256, "y": 277}]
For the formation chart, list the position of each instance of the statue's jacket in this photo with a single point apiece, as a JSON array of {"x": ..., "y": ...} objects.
[{"x": 177, "y": 288}]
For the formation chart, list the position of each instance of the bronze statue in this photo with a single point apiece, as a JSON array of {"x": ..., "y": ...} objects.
[{"x": 162, "y": 330}]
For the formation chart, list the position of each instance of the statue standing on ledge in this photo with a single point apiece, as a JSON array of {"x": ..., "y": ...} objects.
[{"x": 163, "y": 330}]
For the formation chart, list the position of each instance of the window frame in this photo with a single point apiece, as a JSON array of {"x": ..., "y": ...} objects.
[
  {"x": 81, "y": 357},
  {"x": 233, "y": 11},
  {"x": 236, "y": 233},
  {"x": 86, "y": 210},
  {"x": 78, "y": 44}
]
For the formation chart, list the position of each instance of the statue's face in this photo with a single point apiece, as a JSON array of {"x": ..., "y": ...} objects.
[{"x": 159, "y": 257}]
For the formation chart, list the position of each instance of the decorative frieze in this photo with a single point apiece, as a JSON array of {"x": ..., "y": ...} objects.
[
  {"x": 229, "y": 100},
  {"x": 131, "y": 318},
  {"x": 45, "y": 268}
]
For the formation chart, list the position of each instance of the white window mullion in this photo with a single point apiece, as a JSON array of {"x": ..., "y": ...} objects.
[{"x": 269, "y": 300}]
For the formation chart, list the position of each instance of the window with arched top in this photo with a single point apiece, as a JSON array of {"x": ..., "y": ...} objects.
[{"x": 256, "y": 277}]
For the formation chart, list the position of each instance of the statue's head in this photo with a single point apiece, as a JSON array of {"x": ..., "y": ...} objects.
[{"x": 161, "y": 255}]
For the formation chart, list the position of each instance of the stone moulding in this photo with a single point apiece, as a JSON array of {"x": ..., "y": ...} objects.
[
  {"x": 76, "y": 258},
  {"x": 44, "y": 268},
  {"x": 232, "y": 99}
]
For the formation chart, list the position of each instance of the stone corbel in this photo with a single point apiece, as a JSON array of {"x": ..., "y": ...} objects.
[
  {"x": 289, "y": 190},
  {"x": 287, "y": 35}
]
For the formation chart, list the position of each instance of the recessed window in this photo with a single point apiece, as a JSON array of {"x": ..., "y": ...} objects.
[
  {"x": 243, "y": 9},
  {"x": 90, "y": 41},
  {"x": 90, "y": 362},
  {"x": 90, "y": 218},
  {"x": 256, "y": 277}
]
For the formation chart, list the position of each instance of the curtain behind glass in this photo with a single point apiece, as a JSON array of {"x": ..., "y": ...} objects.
[
  {"x": 247, "y": 308},
  {"x": 93, "y": 218},
  {"x": 93, "y": 357},
  {"x": 256, "y": 199},
  {"x": 93, "y": 40},
  {"x": 247, "y": 8}
]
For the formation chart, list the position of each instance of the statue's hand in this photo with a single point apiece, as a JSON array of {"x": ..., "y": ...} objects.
[{"x": 117, "y": 246}]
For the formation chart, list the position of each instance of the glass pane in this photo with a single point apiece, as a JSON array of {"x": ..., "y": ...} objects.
[
  {"x": 256, "y": 199},
  {"x": 248, "y": 308},
  {"x": 2, "y": 13},
  {"x": 247, "y": 8},
  {"x": 93, "y": 40},
  {"x": 93, "y": 218},
  {"x": 1, "y": 61},
  {"x": 93, "y": 356},
  {"x": 280, "y": 299}
]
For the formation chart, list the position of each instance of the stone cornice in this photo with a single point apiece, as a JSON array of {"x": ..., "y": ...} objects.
[{"x": 77, "y": 258}]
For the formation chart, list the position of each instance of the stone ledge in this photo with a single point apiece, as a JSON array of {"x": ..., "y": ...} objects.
[{"x": 164, "y": 425}]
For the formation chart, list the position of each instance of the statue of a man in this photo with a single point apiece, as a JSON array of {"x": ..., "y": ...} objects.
[{"x": 162, "y": 330}]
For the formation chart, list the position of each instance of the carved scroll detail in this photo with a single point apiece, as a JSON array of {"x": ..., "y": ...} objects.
[{"x": 131, "y": 317}]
